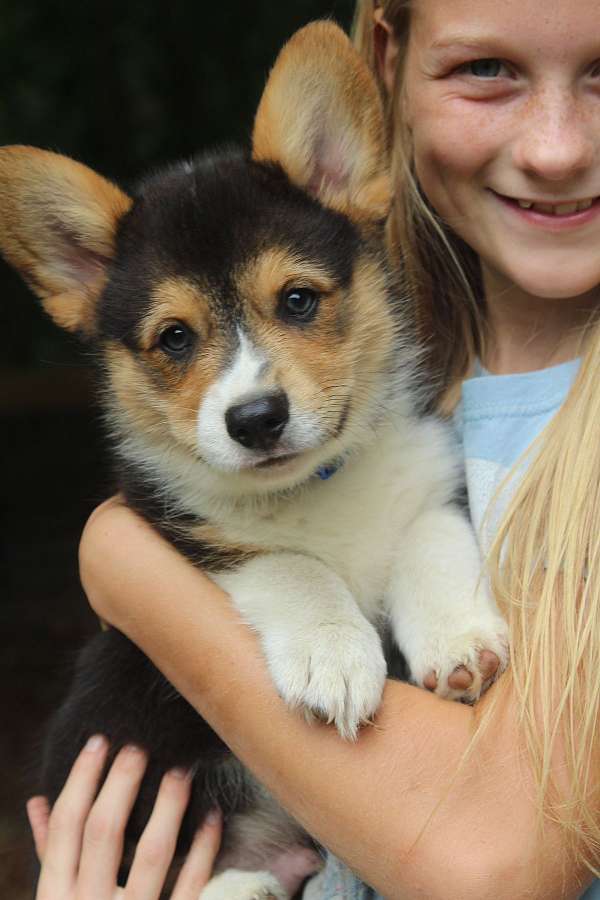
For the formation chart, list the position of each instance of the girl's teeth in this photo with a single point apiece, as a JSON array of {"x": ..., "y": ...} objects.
[
  {"x": 560, "y": 209},
  {"x": 565, "y": 209}
]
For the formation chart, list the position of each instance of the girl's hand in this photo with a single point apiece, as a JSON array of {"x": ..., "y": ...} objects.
[{"x": 80, "y": 843}]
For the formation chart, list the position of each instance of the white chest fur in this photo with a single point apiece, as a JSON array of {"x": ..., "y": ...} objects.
[
  {"x": 380, "y": 539},
  {"x": 354, "y": 522}
]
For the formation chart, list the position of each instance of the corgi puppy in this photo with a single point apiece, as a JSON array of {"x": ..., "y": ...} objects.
[{"x": 261, "y": 386}]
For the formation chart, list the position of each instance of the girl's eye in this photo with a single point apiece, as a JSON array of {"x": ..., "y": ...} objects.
[{"x": 484, "y": 68}]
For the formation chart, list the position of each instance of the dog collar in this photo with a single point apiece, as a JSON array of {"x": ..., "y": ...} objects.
[{"x": 326, "y": 471}]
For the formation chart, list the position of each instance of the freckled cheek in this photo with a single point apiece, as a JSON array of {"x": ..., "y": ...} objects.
[{"x": 449, "y": 158}]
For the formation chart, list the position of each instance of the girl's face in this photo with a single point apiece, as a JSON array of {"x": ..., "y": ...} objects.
[{"x": 503, "y": 100}]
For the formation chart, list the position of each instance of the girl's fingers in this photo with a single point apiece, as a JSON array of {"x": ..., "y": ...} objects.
[
  {"x": 65, "y": 825},
  {"x": 38, "y": 813},
  {"x": 105, "y": 827},
  {"x": 156, "y": 846},
  {"x": 198, "y": 867},
  {"x": 80, "y": 843}
]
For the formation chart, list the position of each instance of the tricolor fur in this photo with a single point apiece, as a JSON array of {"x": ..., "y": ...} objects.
[{"x": 251, "y": 335}]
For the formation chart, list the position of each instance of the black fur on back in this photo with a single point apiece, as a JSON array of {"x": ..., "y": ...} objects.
[{"x": 119, "y": 693}]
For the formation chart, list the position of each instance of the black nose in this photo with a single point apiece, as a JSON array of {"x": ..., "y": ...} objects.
[{"x": 258, "y": 424}]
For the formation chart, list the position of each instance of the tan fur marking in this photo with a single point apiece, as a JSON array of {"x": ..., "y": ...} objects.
[
  {"x": 372, "y": 339},
  {"x": 168, "y": 404},
  {"x": 308, "y": 362},
  {"x": 264, "y": 278},
  {"x": 315, "y": 370},
  {"x": 347, "y": 371},
  {"x": 186, "y": 401},
  {"x": 226, "y": 554},
  {"x": 50, "y": 208},
  {"x": 175, "y": 299},
  {"x": 135, "y": 394},
  {"x": 332, "y": 362},
  {"x": 179, "y": 389},
  {"x": 320, "y": 365}
]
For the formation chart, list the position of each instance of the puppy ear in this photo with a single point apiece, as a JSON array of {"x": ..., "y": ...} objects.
[
  {"x": 57, "y": 228},
  {"x": 321, "y": 119}
]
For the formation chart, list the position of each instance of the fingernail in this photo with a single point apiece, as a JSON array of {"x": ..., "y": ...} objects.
[
  {"x": 213, "y": 817},
  {"x": 132, "y": 748},
  {"x": 95, "y": 743},
  {"x": 180, "y": 773}
]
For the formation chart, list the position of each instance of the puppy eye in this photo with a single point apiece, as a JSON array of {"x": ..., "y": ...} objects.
[
  {"x": 176, "y": 340},
  {"x": 300, "y": 304}
]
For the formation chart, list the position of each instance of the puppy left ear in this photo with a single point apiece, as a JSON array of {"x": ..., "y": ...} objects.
[{"x": 321, "y": 119}]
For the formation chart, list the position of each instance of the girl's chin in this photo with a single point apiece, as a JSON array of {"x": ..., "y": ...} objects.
[
  {"x": 549, "y": 280},
  {"x": 559, "y": 288}
]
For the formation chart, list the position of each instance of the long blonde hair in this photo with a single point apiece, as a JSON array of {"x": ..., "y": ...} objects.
[{"x": 545, "y": 561}]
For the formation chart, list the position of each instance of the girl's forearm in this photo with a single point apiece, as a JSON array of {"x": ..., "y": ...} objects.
[{"x": 367, "y": 802}]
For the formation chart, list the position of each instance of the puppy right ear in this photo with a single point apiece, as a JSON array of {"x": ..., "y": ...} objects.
[
  {"x": 321, "y": 119},
  {"x": 58, "y": 221}
]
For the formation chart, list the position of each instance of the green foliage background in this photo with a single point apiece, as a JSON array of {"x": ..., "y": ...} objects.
[{"x": 125, "y": 85}]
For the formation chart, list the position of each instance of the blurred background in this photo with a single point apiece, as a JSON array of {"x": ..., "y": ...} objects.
[{"x": 123, "y": 86}]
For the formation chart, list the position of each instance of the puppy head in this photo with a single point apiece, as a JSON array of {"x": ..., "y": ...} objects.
[{"x": 240, "y": 305}]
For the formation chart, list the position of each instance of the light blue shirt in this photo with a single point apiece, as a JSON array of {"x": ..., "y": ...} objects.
[{"x": 498, "y": 418}]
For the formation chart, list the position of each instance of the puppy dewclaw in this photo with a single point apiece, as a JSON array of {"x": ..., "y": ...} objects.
[{"x": 261, "y": 388}]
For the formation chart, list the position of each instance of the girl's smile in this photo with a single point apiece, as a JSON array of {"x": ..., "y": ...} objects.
[
  {"x": 554, "y": 217},
  {"x": 503, "y": 102}
]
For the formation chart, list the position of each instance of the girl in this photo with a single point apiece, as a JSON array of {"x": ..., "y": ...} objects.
[{"x": 494, "y": 121}]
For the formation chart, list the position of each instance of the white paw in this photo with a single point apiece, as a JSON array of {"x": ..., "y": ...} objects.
[
  {"x": 434, "y": 663},
  {"x": 336, "y": 672},
  {"x": 235, "y": 884}
]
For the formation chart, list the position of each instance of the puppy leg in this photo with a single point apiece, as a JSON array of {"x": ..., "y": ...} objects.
[
  {"x": 443, "y": 617},
  {"x": 235, "y": 884},
  {"x": 323, "y": 654}
]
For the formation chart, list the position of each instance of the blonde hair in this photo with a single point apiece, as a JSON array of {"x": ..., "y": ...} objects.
[
  {"x": 545, "y": 560},
  {"x": 438, "y": 267}
]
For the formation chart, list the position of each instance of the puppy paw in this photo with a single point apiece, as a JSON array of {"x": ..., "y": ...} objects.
[
  {"x": 461, "y": 666},
  {"x": 235, "y": 884},
  {"x": 335, "y": 672}
]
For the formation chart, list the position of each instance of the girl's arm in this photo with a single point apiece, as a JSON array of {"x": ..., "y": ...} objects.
[{"x": 397, "y": 805}]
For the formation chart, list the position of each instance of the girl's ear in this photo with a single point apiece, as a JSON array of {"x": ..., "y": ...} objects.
[
  {"x": 321, "y": 119},
  {"x": 58, "y": 221},
  {"x": 386, "y": 50}
]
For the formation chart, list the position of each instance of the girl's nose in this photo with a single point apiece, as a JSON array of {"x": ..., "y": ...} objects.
[{"x": 556, "y": 143}]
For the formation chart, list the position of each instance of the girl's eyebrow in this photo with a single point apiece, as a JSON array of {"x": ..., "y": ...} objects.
[{"x": 463, "y": 42}]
